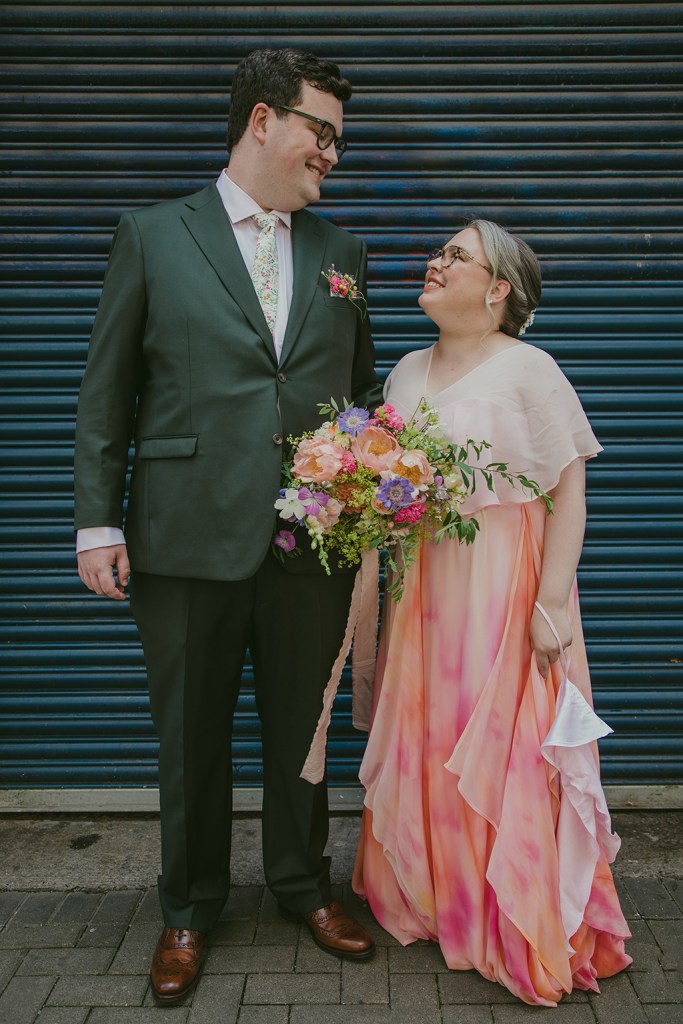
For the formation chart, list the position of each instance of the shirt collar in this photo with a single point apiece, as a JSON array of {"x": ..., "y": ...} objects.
[{"x": 241, "y": 206}]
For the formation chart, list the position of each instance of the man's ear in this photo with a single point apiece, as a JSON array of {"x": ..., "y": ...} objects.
[
  {"x": 258, "y": 121},
  {"x": 500, "y": 291}
]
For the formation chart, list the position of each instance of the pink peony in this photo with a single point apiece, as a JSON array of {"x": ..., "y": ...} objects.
[
  {"x": 410, "y": 514},
  {"x": 414, "y": 466},
  {"x": 376, "y": 449},
  {"x": 317, "y": 460}
]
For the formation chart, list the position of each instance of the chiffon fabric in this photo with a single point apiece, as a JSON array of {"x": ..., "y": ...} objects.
[{"x": 483, "y": 830}]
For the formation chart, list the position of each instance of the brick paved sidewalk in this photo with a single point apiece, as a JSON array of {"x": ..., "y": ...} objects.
[{"x": 76, "y": 957}]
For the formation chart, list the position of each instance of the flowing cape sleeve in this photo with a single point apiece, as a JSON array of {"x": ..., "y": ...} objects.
[{"x": 525, "y": 407}]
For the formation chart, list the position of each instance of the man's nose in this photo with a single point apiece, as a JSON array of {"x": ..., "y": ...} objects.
[{"x": 330, "y": 155}]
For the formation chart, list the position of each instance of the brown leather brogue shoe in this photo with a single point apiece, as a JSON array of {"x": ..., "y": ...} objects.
[
  {"x": 176, "y": 964},
  {"x": 336, "y": 932}
]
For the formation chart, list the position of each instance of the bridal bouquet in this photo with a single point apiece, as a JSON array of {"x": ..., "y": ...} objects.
[{"x": 372, "y": 481}]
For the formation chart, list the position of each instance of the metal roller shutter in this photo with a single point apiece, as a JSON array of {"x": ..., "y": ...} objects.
[{"x": 562, "y": 120}]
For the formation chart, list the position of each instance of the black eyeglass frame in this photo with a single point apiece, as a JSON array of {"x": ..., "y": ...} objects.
[
  {"x": 458, "y": 253},
  {"x": 341, "y": 145}
]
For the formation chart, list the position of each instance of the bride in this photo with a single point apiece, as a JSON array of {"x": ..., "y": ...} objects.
[{"x": 485, "y": 827}]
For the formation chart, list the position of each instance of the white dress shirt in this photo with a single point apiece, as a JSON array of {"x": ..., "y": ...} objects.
[{"x": 240, "y": 208}]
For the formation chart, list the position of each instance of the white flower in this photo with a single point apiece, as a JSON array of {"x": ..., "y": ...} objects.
[{"x": 289, "y": 506}]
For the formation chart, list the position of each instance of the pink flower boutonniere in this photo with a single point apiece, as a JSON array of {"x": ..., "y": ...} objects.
[{"x": 343, "y": 286}]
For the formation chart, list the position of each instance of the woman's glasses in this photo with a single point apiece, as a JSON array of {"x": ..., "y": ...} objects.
[{"x": 450, "y": 253}]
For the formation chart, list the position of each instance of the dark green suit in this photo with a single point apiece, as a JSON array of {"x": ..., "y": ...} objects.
[{"x": 182, "y": 360}]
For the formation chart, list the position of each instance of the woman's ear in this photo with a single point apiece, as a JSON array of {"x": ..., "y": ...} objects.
[{"x": 500, "y": 291}]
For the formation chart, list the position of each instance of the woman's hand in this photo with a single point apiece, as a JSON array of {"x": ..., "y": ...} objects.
[{"x": 544, "y": 644}]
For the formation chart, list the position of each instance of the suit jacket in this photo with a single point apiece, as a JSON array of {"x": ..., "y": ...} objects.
[{"x": 181, "y": 360}]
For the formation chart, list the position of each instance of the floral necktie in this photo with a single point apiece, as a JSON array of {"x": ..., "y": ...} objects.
[{"x": 265, "y": 272}]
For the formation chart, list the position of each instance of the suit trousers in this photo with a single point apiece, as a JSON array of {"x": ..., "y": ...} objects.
[{"x": 195, "y": 634}]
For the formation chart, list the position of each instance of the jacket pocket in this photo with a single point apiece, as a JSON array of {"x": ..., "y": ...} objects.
[{"x": 182, "y": 446}]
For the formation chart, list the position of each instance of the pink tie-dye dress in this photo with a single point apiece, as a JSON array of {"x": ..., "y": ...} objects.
[{"x": 481, "y": 831}]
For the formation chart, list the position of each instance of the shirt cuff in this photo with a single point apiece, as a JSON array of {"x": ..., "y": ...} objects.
[{"x": 98, "y": 537}]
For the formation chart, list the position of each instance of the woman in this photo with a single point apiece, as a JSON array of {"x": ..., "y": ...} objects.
[{"x": 481, "y": 831}]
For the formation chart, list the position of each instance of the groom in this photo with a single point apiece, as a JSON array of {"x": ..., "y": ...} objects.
[{"x": 215, "y": 338}]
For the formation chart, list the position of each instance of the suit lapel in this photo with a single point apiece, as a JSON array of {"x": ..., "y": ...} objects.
[
  {"x": 308, "y": 249},
  {"x": 209, "y": 225}
]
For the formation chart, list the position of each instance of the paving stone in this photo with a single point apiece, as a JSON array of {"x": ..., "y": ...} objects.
[
  {"x": 293, "y": 988},
  {"x": 277, "y": 933},
  {"x": 63, "y": 1015},
  {"x": 23, "y": 998},
  {"x": 414, "y": 990},
  {"x": 77, "y": 906},
  {"x": 149, "y": 910},
  {"x": 666, "y": 1013},
  {"x": 107, "y": 991},
  {"x": 349, "y": 1014},
  {"x": 415, "y": 1015},
  {"x": 380, "y": 937},
  {"x": 117, "y": 907},
  {"x": 135, "y": 953},
  {"x": 252, "y": 959},
  {"x": 264, "y": 1015},
  {"x": 9, "y": 961},
  {"x": 647, "y": 956},
  {"x": 38, "y": 908},
  {"x": 140, "y": 1015},
  {"x": 39, "y": 936},
  {"x": 243, "y": 901},
  {"x": 105, "y": 934},
  {"x": 576, "y": 996},
  {"x": 234, "y": 933},
  {"x": 561, "y": 1014},
  {"x": 469, "y": 1015},
  {"x": 658, "y": 986},
  {"x": 470, "y": 987},
  {"x": 9, "y": 902},
  {"x": 366, "y": 981},
  {"x": 269, "y": 910},
  {"x": 628, "y": 907},
  {"x": 217, "y": 1000},
  {"x": 669, "y": 936},
  {"x": 66, "y": 961},
  {"x": 310, "y": 958},
  {"x": 675, "y": 888},
  {"x": 652, "y": 899},
  {"x": 418, "y": 958},
  {"x": 618, "y": 1002}
]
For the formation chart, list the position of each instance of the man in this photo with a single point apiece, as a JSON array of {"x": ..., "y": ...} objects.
[{"x": 215, "y": 338}]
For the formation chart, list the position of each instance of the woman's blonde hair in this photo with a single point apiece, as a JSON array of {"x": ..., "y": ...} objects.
[{"x": 513, "y": 260}]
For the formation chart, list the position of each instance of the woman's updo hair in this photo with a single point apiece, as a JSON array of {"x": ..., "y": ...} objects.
[{"x": 511, "y": 258}]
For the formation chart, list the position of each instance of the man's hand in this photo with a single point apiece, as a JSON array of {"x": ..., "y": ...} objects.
[{"x": 96, "y": 569}]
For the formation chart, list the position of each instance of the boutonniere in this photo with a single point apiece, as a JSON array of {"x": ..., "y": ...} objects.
[{"x": 343, "y": 286}]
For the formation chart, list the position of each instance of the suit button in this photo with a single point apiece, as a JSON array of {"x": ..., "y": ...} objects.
[
  {"x": 281, "y": 377},
  {"x": 277, "y": 438}
]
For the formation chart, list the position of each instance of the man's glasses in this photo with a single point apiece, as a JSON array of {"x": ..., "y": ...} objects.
[
  {"x": 450, "y": 253},
  {"x": 326, "y": 135}
]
